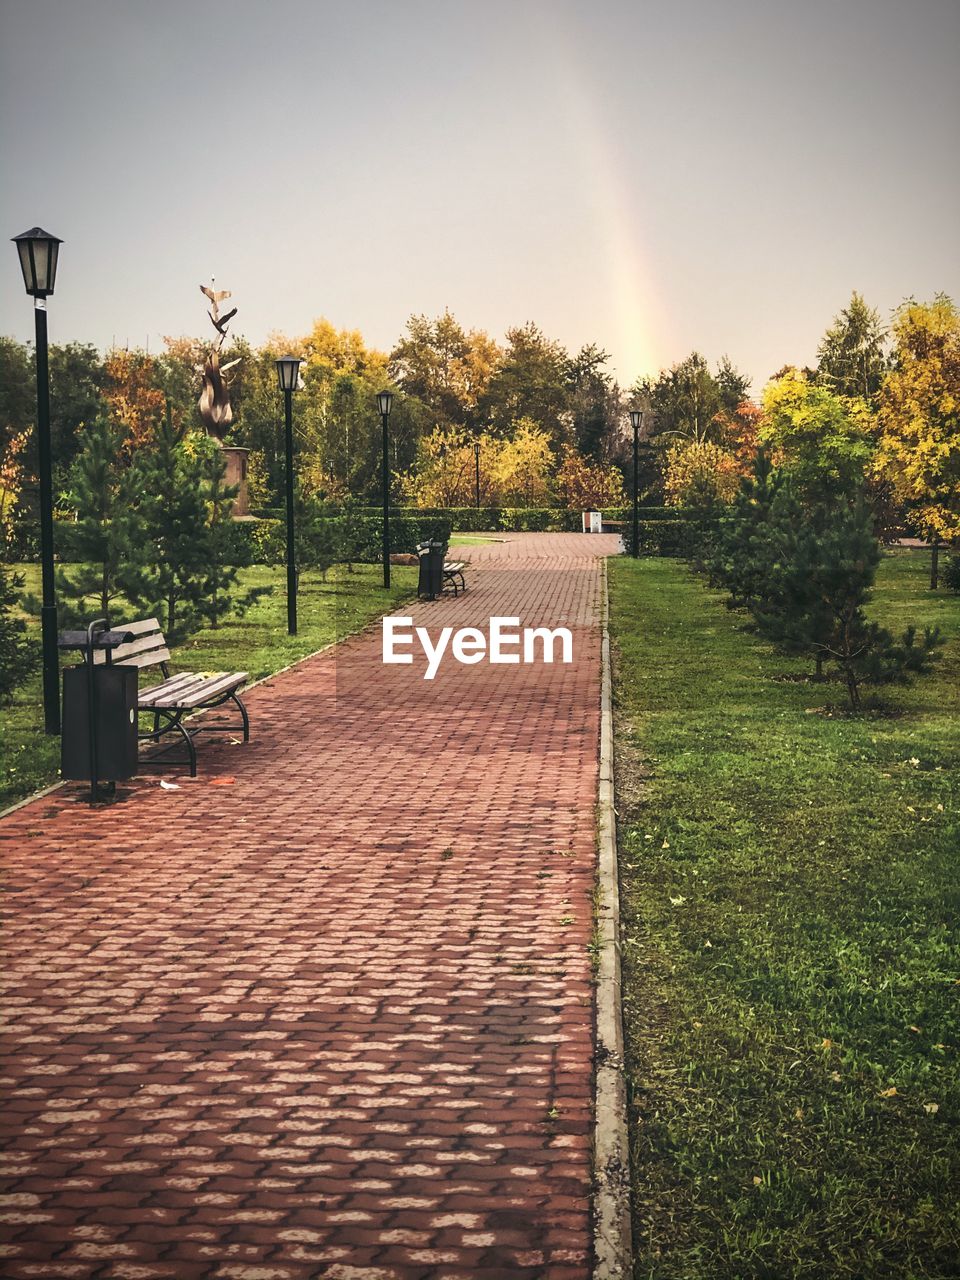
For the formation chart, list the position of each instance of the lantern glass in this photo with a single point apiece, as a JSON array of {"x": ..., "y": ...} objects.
[
  {"x": 636, "y": 417},
  {"x": 288, "y": 372},
  {"x": 384, "y": 402},
  {"x": 38, "y": 252}
]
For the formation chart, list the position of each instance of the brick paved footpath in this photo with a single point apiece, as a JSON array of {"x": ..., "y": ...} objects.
[{"x": 334, "y": 1019}]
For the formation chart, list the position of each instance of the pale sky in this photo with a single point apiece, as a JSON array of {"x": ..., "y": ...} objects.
[{"x": 652, "y": 177}]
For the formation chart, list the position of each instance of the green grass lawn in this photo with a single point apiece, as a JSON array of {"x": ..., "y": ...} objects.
[
  {"x": 257, "y": 643},
  {"x": 791, "y": 949}
]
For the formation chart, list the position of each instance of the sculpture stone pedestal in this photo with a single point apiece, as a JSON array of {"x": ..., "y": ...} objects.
[{"x": 236, "y": 474}]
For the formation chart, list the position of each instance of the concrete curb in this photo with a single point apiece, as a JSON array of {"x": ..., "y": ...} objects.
[{"x": 611, "y": 1158}]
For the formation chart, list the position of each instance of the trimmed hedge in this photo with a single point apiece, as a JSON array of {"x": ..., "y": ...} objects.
[
  {"x": 356, "y": 538},
  {"x": 673, "y": 536}
]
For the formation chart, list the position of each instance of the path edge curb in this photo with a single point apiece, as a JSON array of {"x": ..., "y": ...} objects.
[{"x": 612, "y": 1236}]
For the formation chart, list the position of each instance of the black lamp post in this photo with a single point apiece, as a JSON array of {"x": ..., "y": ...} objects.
[
  {"x": 476, "y": 467},
  {"x": 38, "y": 252},
  {"x": 636, "y": 417},
  {"x": 288, "y": 371},
  {"x": 384, "y": 404}
]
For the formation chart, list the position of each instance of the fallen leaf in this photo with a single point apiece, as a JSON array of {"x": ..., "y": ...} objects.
[
  {"x": 678, "y": 902},
  {"x": 757, "y": 1182},
  {"x": 168, "y": 786},
  {"x": 826, "y": 1044},
  {"x": 222, "y": 782},
  {"x": 665, "y": 845},
  {"x": 888, "y": 1093},
  {"x": 915, "y": 1030},
  {"x": 931, "y": 1108},
  {"x": 835, "y": 1077}
]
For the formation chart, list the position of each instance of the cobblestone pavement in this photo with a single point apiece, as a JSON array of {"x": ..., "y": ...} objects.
[{"x": 326, "y": 1011}]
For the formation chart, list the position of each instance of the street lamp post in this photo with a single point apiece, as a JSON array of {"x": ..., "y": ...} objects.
[
  {"x": 476, "y": 466},
  {"x": 384, "y": 404},
  {"x": 288, "y": 371},
  {"x": 636, "y": 418},
  {"x": 38, "y": 252}
]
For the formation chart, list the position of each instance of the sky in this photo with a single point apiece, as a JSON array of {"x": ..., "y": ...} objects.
[{"x": 651, "y": 177}]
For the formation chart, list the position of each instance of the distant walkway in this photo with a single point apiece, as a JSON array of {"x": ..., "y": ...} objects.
[{"x": 333, "y": 1018}]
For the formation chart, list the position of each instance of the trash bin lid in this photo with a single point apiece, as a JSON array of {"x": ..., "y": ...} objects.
[{"x": 101, "y": 639}]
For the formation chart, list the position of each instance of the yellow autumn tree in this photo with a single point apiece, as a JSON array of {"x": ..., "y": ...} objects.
[
  {"x": 918, "y": 414},
  {"x": 133, "y": 393},
  {"x": 12, "y": 479},
  {"x": 588, "y": 486},
  {"x": 700, "y": 471},
  {"x": 514, "y": 472},
  {"x": 520, "y": 466}
]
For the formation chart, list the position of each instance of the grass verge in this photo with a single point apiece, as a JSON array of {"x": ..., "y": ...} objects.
[
  {"x": 791, "y": 949},
  {"x": 257, "y": 643}
]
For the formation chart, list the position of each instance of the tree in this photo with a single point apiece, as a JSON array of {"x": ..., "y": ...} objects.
[
  {"x": 823, "y": 563},
  {"x": 594, "y": 404},
  {"x": 825, "y": 442},
  {"x": 185, "y": 567},
  {"x": 519, "y": 469},
  {"x": 222, "y": 553},
  {"x": 133, "y": 395},
  {"x": 13, "y": 477},
  {"x": 584, "y": 485},
  {"x": 804, "y": 567},
  {"x": 851, "y": 360},
  {"x": 918, "y": 449},
  {"x": 77, "y": 378},
  {"x": 686, "y": 399},
  {"x": 107, "y": 531},
  {"x": 447, "y": 369},
  {"x": 19, "y": 655},
  {"x": 532, "y": 381},
  {"x": 18, "y": 393},
  {"x": 700, "y": 473}
]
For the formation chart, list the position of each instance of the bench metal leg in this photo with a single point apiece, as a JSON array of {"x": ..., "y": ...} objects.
[{"x": 243, "y": 712}]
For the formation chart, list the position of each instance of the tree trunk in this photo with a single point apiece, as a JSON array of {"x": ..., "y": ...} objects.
[
  {"x": 935, "y": 564},
  {"x": 852, "y": 687}
]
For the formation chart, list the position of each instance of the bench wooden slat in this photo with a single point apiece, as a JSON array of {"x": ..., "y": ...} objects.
[
  {"x": 152, "y": 658},
  {"x": 166, "y": 688},
  {"x": 211, "y": 690},
  {"x": 147, "y": 647},
  {"x": 193, "y": 692}
]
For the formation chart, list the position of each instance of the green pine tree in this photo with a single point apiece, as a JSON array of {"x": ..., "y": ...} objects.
[
  {"x": 107, "y": 530},
  {"x": 19, "y": 655},
  {"x": 168, "y": 573},
  {"x": 224, "y": 553},
  {"x": 822, "y": 561}
]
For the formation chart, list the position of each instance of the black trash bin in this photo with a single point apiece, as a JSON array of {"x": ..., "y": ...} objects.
[
  {"x": 432, "y": 554},
  {"x": 99, "y": 735}
]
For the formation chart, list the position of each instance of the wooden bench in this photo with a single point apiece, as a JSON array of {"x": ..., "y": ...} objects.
[
  {"x": 452, "y": 570},
  {"x": 177, "y": 696}
]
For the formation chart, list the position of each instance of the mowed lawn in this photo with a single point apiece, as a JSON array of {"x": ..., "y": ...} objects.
[
  {"x": 257, "y": 642},
  {"x": 791, "y": 943}
]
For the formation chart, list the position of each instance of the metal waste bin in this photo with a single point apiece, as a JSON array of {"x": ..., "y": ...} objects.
[
  {"x": 432, "y": 554},
  {"x": 99, "y": 734}
]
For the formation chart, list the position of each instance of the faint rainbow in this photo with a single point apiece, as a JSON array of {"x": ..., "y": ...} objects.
[{"x": 639, "y": 315}]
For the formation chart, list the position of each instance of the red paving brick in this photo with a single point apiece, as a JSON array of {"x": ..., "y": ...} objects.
[{"x": 335, "y": 1019}]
